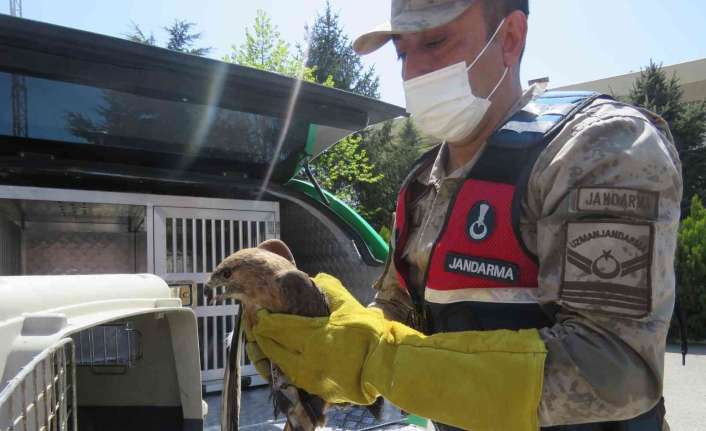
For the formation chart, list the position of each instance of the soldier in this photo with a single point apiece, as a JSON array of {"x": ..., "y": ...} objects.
[{"x": 530, "y": 282}]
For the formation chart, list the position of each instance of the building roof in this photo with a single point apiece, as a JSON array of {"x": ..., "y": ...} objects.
[{"x": 691, "y": 74}]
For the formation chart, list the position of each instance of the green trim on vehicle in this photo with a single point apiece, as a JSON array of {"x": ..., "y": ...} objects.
[
  {"x": 417, "y": 420},
  {"x": 377, "y": 246},
  {"x": 310, "y": 139}
]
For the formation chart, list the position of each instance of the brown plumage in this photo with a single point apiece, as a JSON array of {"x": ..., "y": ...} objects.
[{"x": 266, "y": 277}]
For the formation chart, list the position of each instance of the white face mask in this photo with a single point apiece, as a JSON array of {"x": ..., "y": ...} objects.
[{"x": 442, "y": 103}]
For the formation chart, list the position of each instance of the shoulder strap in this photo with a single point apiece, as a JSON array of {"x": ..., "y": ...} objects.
[{"x": 512, "y": 147}]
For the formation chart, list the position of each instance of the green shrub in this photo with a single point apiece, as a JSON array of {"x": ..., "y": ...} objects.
[{"x": 691, "y": 270}]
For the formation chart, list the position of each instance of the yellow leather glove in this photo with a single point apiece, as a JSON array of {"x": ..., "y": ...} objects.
[
  {"x": 255, "y": 355},
  {"x": 258, "y": 359},
  {"x": 474, "y": 380}
]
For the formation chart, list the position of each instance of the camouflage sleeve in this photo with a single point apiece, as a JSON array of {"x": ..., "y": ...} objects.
[
  {"x": 392, "y": 298},
  {"x": 604, "y": 198}
]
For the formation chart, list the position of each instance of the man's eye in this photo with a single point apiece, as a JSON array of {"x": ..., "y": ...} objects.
[{"x": 436, "y": 42}]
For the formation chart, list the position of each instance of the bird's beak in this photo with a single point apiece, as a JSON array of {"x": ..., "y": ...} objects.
[
  {"x": 216, "y": 299},
  {"x": 210, "y": 292},
  {"x": 213, "y": 284}
]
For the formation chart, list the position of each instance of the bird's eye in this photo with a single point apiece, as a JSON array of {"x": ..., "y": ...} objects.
[{"x": 226, "y": 273}]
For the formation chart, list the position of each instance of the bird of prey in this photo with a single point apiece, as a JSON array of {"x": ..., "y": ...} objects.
[{"x": 267, "y": 277}]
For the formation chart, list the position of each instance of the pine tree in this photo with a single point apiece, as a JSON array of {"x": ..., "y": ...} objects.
[
  {"x": 377, "y": 203},
  {"x": 653, "y": 90},
  {"x": 691, "y": 269},
  {"x": 331, "y": 57},
  {"x": 181, "y": 37},
  {"x": 393, "y": 148},
  {"x": 137, "y": 35}
]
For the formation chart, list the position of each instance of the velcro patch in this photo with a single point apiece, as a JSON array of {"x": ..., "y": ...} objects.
[
  {"x": 607, "y": 267},
  {"x": 619, "y": 201},
  {"x": 490, "y": 269}
]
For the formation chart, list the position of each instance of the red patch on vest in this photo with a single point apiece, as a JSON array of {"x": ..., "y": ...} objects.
[{"x": 461, "y": 260}]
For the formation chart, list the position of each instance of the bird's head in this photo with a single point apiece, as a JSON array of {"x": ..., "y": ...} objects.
[
  {"x": 222, "y": 277},
  {"x": 247, "y": 273}
]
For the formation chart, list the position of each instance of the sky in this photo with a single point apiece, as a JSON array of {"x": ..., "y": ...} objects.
[{"x": 570, "y": 41}]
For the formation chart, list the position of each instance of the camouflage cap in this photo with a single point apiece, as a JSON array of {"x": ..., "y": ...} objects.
[{"x": 410, "y": 16}]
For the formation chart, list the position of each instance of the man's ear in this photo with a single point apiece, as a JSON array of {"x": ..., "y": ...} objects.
[
  {"x": 277, "y": 246},
  {"x": 515, "y": 37}
]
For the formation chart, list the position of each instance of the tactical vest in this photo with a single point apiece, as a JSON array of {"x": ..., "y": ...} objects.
[{"x": 480, "y": 275}]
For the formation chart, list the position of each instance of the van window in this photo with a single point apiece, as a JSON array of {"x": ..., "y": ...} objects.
[{"x": 81, "y": 114}]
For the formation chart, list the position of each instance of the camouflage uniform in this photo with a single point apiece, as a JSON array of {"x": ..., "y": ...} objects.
[
  {"x": 604, "y": 194},
  {"x": 607, "y": 189}
]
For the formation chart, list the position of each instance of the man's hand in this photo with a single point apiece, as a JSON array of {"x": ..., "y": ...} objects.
[
  {"x": 302, "y": 346},
  {"x": 258, "y": 359}
]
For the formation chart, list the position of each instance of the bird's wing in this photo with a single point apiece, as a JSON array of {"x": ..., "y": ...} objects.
[
  {"x": 300, "y": 294},
  {"x": 230, "y": 401}
]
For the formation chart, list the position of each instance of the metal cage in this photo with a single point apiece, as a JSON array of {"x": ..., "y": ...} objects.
[
  {"x": 42, "y": 396},
  {"x": 114, "y": 346}
]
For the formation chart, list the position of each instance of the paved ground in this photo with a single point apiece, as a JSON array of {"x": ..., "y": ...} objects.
[
  {"x": 684, "y": 393},
  {"x": 685, "y": 389}
]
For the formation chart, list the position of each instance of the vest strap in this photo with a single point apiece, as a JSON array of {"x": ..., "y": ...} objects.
[{"x": 510, "y": 295}]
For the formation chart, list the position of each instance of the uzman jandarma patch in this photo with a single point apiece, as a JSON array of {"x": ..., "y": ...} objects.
[{"x": 607, "y": 267}]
